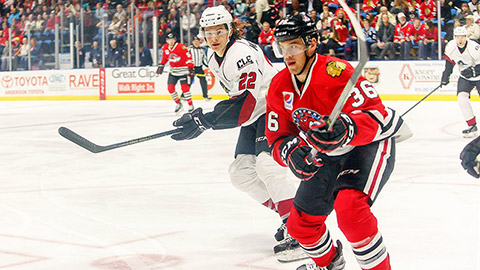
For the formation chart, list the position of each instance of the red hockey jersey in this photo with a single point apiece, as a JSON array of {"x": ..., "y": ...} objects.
[
  {"x": 322, "y": 88},
  {"x": 179, "y": 57},
  {"x": 402, "y": 31}
]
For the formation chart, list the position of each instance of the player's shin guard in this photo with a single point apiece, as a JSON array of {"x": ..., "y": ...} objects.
[
  {"x": 173, "y": 93},
  {"x": 313, "y": 236},
  {"x": 186, "y": 93},
  {"x": 359, "y": 226}
]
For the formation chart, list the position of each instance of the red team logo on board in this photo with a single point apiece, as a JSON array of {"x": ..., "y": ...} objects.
[
  {"x": 7, "y": 81},
  {"x": 304, "y": 118}
]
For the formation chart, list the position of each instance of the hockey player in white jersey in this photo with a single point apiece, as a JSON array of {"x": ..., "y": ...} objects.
[
  {"x": 245, "y": 73},
  {"x": 465, "y": 53}
]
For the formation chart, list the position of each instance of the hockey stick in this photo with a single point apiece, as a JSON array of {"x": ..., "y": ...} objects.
[
  {"x": 95, "y": 148},
  {"x": 436, "y": 88},
  {"x": 362, "y": 61}
]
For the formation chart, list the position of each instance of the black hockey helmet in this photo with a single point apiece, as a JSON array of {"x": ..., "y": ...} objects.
[
  {"x": 171, "y": 35},
  {"x": 296, "y": 26}
]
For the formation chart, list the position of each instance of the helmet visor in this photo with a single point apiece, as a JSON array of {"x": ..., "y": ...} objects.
[
  {"x": 288, "y": 49},
  {"x": 214, "y": 33}
]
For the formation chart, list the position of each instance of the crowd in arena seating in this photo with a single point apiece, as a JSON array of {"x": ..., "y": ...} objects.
[{"x": 395, "y": 29}]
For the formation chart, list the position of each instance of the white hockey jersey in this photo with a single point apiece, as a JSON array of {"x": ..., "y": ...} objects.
[
  {"x": 243, "y": 68},
  {"x": 470, "y": 57}
]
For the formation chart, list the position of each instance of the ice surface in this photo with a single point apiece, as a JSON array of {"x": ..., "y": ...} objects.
[{"x": 163, "y": 204}]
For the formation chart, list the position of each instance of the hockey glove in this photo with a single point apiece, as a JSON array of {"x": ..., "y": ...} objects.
[
  {"x": 294, "y": 152},
  {"x": 469, "y": 155},
  {"x": 191, "y": 72},
  {"x": 468, "y": 73},
  {"x": 193, "y": 124},
  {"x": 445, "y": 78},
  {"x": 343, "y": 132},
  {"x": 160, "y": 69}
]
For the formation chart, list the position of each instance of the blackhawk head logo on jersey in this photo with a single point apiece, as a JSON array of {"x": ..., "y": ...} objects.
[
  {"x": 174, "y": 58},
  {"x": 335, "y": 68},
  {"x": 303, "y": 118}
]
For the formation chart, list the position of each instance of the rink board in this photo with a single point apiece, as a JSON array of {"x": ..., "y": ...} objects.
[{"x": 394, "y": 80}]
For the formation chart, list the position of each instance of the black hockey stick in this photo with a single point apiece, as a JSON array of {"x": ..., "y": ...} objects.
[
  {"x": 436, "y": 88},
  {"x": 95, "y": 148},
  {"x": 362, "y": 61}
]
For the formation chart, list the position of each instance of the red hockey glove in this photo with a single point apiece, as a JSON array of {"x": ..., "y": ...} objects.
[
  {"x": 193, "y": 124},
  {"x": 343, "y": 132},
  {"x": 294, "y": 152},
  {"x": 469, "y": 155},
  {"x": 160, "y": 69}
]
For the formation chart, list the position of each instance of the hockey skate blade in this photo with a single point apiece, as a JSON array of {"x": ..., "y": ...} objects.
[
  {"x": 291, "y": 255},
  {"x": 470, "y": 135}
]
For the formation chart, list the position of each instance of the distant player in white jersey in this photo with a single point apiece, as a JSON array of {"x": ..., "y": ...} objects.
[
  {"x": 245, "y": 73},
  {"x": 465, "y": 53}
]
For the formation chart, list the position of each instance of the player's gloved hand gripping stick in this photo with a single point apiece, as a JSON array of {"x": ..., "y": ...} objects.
[{"x": 363, "y": 59}]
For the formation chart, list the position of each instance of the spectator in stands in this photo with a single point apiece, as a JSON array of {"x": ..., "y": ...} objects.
[
  {"x": 36, "y": 56},
  {"x": 427, "y": 49},
  {"x": 385, "y": 35},
  {"x": 251, "y": 25},
  {"x": 4, "y": 57},
  {"x": 50, "y": 22},
  {"x": 314, "y": 16},
  {"x": 334, "y": 42},
  {"x": 326, "y": 13},
  {"x": 379, "y": 20},
  {"x": 476, "y": 14},
  {"x": 262, "y": 7},
  {"x": 399, "y": 6},
  {"x": 324, "y": 33},
  {"x": 112, "y": 29},
  {"x": 78, "y": 48},
  {"x": 266, "y": 35},
  {"x": 370, "y": 34},
  {"x": 174, "y": 22},
  {"x": 447, "y": 18},
  {"x": 295, "y": 7},
  {"x": 428, "y": 10},
  {"x": 401, "y": 35},
  {"x": 38, "y": 23},
  {"x": 473, "y": 29},
  {"x": 473, "y": 5},
  {"x": 16, "y": 46},
  {"x": 463, "y": 13},
  {"x": 189, "y": 22},
  {"x": 95, "y": 55},
  {"x": 416, "y": 35},
  {"x": 240, "y": 8},
  {"x": 145, "y": 55},
  {"x": 115, "y": 55},
  {"x": 23, "y": 55},
  {"x": 98, "y": 12},
  {"x": 162, "y": 30},
  {"x": 119, "y": 12}
]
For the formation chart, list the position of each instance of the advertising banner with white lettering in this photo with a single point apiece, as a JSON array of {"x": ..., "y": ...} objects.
[
  {"x": 50, "y": 83},
  {"x": 144, "y": 81}
]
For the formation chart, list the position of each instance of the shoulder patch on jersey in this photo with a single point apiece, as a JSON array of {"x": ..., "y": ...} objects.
[
  {"x": 288, "y": 100},
  {"x": 335, "y": 68},
  {"x": 183, "y": 47}
]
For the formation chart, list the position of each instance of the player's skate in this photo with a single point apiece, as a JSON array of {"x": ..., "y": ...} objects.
[
  {"x": 179, "y": 107},
  {"x": 281, "y": 233},
  {"x": 470, "y": 132},
  {"x": 288, "y": 250},
  {"x": 191, "y": 108},
  {"x": 338, "y": 262},
  {"x": 208, "y": 98}
]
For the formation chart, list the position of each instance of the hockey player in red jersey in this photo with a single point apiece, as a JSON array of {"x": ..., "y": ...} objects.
[
  {"x": 181, "y": 69},
  {"x": 245, "y": 73},
  {"x": 354, "y": 160}
]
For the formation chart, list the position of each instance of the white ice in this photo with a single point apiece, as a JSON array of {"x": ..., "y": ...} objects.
[{"x": 163, "y": 204}]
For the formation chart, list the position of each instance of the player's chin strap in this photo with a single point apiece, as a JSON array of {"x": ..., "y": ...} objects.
[{"x": 306, "y": 62}]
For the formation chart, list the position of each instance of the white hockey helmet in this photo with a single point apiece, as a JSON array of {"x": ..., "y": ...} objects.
[
  {"x": 460, "y": 31},
  {"x": 214, "y": 16}
]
